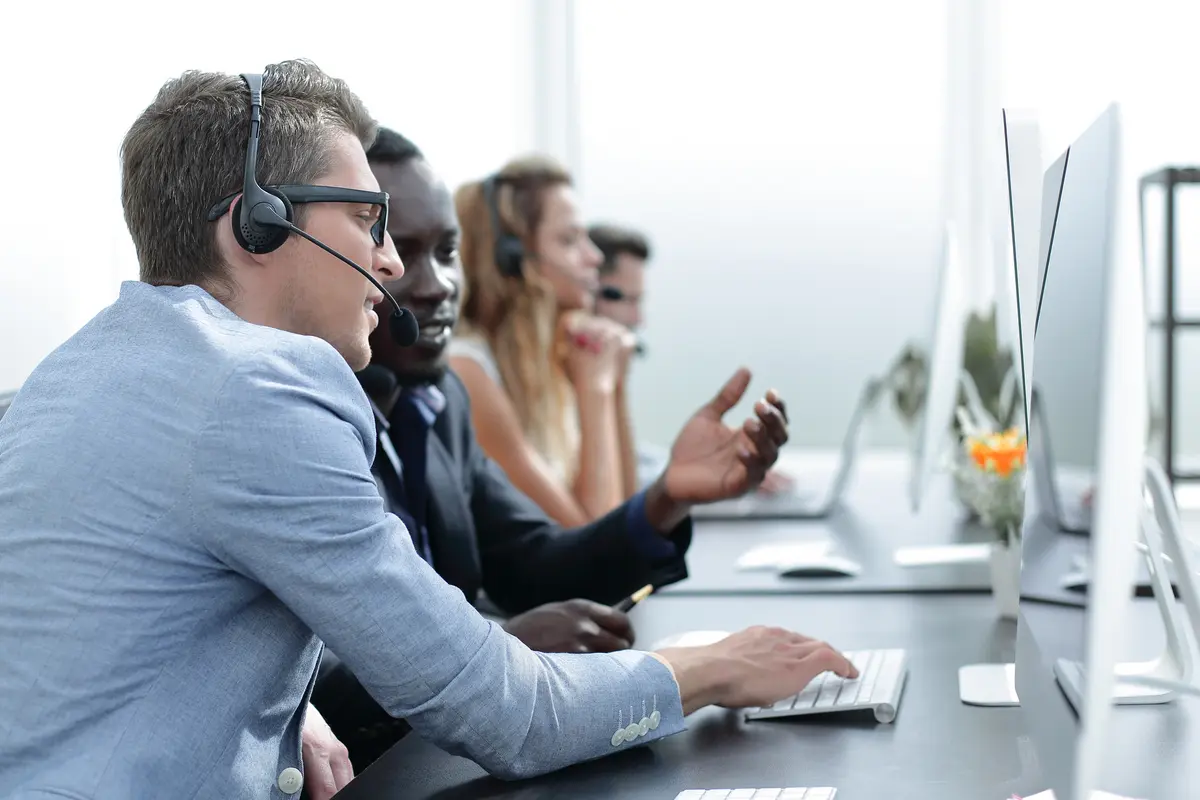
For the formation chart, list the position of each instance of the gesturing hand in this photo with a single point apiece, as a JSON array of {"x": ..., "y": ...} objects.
[
  {"x": 327, "y": 767},
  {"x": 574, "y": 626},
  {"x": 711, "y": 461}
]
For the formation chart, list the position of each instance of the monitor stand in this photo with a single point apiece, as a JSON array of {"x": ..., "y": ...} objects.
[
  {"x": 988, "y": 684},
  {"x": 1161, "y": 539}
]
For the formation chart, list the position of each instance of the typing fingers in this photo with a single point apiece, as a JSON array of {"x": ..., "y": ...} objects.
[{"x": 819, "y": 656}]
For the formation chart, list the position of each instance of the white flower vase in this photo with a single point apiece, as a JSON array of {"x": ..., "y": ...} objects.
[{"x": 1006, "y": 575}]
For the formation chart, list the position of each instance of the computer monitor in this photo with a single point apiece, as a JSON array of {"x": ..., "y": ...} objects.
[
  {"x": 1088, "y": 392},
  {"x": 945, "y": 367},
  {"x": 1066, "y": 451},
  {"x": 1020, "y": 275},
  {"x": 1018, "y": 290}
]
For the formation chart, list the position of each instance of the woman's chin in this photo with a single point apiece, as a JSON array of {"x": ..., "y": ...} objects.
[{"x": 578, "y": 301}]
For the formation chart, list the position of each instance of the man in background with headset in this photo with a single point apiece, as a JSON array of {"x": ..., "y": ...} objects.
[
  {"x": 625, "y": 253},
  {"x": 187, "y": 512}
]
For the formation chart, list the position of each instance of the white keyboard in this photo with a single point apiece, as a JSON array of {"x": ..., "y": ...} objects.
[
  {"x": 880, "y": 682},
  {"x": 790, "y": 793}
]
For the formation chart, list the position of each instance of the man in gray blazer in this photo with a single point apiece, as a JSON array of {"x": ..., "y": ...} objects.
[{"x": 187, "y": 512}]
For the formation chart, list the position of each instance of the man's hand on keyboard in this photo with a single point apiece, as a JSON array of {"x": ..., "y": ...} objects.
[{"x": 752, "y": 668}]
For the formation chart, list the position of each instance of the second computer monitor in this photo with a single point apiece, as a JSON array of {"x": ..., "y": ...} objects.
[
  {"x": 1066, "y": 429},
  {"x": 945, "y": 367},
  {"x": 1087, "y": 419},
  {"x": 1018, "y": 276}
]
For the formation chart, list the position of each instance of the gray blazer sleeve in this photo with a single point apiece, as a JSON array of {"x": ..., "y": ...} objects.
[{"x": 282, "y": 492}]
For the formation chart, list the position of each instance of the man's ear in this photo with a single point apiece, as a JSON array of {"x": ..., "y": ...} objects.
[{"x": 232, "y": 253}]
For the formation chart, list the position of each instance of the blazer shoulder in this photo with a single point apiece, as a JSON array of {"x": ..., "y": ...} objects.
[{"x": 456, "y": 416}]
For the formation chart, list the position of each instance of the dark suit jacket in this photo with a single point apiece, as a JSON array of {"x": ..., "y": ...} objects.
[{"x": 485, "y": 534}]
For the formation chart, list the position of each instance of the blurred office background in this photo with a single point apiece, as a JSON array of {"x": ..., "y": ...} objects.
[{"x": 791, "y": 160}]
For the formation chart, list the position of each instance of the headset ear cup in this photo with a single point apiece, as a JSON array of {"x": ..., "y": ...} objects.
[
  {"x": 256, "y": 238},
  {"x": 288, "y": 212},
  {"x": 509, "y": 256}
]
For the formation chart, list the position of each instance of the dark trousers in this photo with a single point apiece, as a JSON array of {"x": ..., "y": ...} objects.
[{"x": 355, "y": 718}]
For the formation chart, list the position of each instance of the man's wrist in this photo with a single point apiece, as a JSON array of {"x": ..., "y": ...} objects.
[
  {"x": 697, "y": 674},
  {"x": 663, "y": 512}
]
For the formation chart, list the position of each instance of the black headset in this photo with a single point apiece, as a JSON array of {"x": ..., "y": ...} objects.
[
  {"x": 263, "y": 219},
  {"x": 255, "y": 226},
  {"x": 508, "y": 250}
]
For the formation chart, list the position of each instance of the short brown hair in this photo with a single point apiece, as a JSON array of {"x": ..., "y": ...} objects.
[
  {"x": 613, "y": 240},
  {"x": 187, "y": 150}
]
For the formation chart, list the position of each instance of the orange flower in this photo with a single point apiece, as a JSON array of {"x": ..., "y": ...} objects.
[{"x": 1002, "y": 453}]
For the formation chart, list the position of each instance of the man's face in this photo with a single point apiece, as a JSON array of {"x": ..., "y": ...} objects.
[
  {"x": 423, "y": 224},
  {"x": 320, "y": 295},
  {"x": 626, "y": 282}
]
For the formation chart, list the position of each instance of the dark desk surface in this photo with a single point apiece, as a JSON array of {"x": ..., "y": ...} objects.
[
  {"x": 937, "y": 747},
  {"x": 875, "y": 518}
]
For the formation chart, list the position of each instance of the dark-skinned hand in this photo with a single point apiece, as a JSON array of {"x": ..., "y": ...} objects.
[
  {"x": 573, "y": 626},
  {"x": 712, "y": 461}
]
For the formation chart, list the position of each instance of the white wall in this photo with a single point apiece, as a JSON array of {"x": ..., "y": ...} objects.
[
  {"x": 786, "y": 159},
  {"x": 1070, "y": 58},
  {"x": 453, "y": 75}
]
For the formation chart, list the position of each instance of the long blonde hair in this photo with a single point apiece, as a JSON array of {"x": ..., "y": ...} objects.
[{"x": 517, "y": 315}]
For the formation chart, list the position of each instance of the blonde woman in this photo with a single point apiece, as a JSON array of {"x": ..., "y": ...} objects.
[{"x": 546, "y": 378}]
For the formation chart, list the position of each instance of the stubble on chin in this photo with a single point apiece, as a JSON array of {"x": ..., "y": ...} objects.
[{"x": 357, "y": 353}]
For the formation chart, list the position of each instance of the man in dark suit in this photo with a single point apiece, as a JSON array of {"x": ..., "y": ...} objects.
[{"x": 478, "y": 531}]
